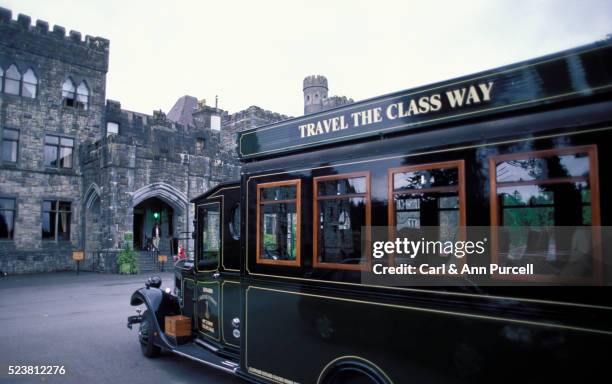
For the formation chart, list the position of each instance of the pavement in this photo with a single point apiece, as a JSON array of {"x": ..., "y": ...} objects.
[{"x": 79, "y": 322}]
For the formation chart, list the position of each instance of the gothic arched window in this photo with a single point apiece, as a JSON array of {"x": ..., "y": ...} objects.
[
  {"x": 29, "y": 84},
  {"x": 68, "y": 93},
  {"x": 12, "y": 80},
  {"x": 82, "y": 96}
]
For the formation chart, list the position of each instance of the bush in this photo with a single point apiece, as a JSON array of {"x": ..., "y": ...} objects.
[{"x": 127, "y": 261}]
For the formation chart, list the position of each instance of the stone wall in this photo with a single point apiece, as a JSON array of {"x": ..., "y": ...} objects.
[
  {"x": 249, "y": 118},
  {"x": 53, "y": 57},
  {"x": 150, "y": 157},
  {"x": 153, "y": 157}
]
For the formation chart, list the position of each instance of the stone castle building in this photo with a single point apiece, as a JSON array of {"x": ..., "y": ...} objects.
[{"x": 78, "y": 172}]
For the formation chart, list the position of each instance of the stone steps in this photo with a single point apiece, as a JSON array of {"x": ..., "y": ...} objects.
[{"x": 146, "y": 263}]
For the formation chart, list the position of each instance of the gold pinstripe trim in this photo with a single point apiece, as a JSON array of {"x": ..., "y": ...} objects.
[
  {"x": 441, "y": 311},
  {"x": 196, "y": 314},
  {"x": 221, "y": 309},
  {"x": 222, "y": 189}
]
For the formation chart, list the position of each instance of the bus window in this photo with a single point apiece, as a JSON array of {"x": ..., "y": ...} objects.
[
  {"x": 341, "y": 208},
  {"x": 278, "y": 226},
  {"x": 426, "y": 200},
  {"x": 548, "y": 197},
  {"x": 210, "y": 236}
]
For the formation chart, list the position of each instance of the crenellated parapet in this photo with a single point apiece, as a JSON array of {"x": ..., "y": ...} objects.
[
  {"x": 316, "y": 97},
  {"x": 315, "y": 81},
  {"x": 55, "y": 43},
  {"x": 254, "y": 112}
]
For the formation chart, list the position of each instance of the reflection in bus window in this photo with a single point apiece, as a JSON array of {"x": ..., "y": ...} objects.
[
  {"x": 234, "y": 224},
  {"x": 537, "y": 191},
  {"x": 278, "y": 233},
  {"x": 426, "y": 202},
  {"x": 211, "y": 234},
  {"x": 575, "y": 165},
  {"x": 342, "y": 207}
]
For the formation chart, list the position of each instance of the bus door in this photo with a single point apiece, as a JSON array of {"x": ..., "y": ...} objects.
[
  {"x": 230, "y": 270},
  {"x": 207, "y": 298}
]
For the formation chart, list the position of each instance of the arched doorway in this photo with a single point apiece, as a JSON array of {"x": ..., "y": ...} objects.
[
  {"x": 172, "y": 207},
  {"x": 146, "y": 214},
  {"x": 92, "y": 228}
]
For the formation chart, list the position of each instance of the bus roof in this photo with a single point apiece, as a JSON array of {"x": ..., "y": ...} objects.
[
  {"x": 572, "y": 74},
  {"x": 215, "y": 189}
]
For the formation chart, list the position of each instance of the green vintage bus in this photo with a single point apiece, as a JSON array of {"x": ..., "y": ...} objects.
[{"x": 276, "y": 292}]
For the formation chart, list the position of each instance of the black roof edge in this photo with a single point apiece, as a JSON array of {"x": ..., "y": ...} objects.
[
  {"x": 225, "y": 184},
  {"x": 598, "y": 43}
]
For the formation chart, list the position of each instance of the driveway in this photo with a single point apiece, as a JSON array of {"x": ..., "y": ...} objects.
[{"x": 80, "y": 322}]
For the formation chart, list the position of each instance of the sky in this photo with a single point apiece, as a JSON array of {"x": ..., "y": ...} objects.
[{"x": 258, "y": 52}]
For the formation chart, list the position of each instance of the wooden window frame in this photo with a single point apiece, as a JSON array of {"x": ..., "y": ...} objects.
[
  {"x": 593, "y": 179},
  {"x": 315, "y": 222},
  {"x": 298, "y": 210},
  {"x": 391, "y": 172}
]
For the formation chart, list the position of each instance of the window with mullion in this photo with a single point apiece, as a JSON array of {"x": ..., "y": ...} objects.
[
  {"x": 14, "y": 83},
  {"x": 341, "y": 209},
  {"x": 56, "y": 220},
  {"x": 544, "y": 200},
  {"x": 58, "y": 152},
  {"x": 278, "y": 227},
  {"x": 427, "y": 201}
]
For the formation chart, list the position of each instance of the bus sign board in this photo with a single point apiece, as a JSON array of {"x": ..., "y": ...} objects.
[{"x": 540, "y": 81}]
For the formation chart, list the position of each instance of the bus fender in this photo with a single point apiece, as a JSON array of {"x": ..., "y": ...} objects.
[{"x": 159, "y": 303}]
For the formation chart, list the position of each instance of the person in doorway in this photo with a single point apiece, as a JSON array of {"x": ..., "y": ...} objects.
[{"x": 156, "y": 235}]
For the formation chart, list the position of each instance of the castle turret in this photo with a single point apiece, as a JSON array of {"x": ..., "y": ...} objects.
[{"x": 315, "y": 91}]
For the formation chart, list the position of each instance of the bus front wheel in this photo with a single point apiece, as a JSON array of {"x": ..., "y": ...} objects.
[{"x": 348, "y": 372}]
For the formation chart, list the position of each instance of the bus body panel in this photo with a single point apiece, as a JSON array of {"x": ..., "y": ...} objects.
[
  {"x": 299, "y": 319},
  {"x": 258, "y": 290}
]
